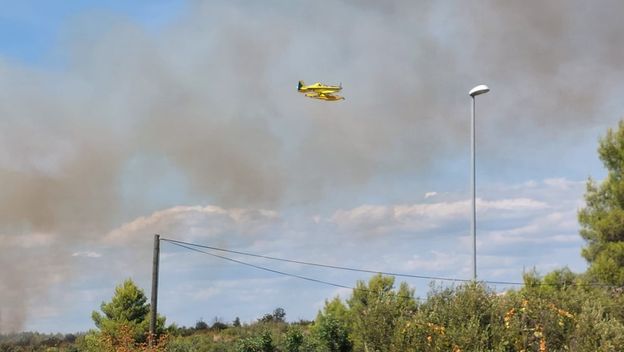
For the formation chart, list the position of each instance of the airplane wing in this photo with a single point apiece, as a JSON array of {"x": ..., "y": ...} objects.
[
  {"x": 324, "y": 96},
  {"x": 327, "y": 90}
]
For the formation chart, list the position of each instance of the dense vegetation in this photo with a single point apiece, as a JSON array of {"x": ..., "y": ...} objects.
[{"x": 561, "y": 311}]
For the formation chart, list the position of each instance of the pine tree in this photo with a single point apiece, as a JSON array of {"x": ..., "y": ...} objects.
[
  {"x": 127, "y": 308},
  {"x": 602, "y": 219}
]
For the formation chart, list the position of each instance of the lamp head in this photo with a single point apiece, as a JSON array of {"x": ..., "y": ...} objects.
[{"x": 480, "y": 89}]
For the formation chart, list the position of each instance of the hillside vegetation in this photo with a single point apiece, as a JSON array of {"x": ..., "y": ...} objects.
[{"x": 559, "y": 312}]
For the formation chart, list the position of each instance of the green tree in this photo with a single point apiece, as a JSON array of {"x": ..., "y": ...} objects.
[
  {"x": 201, "y": 325},
  {"x": 261, "y": 343},
  {"x": 333, "y": 334},
  {"x": 332, "y": 327},
  {"x": 561, "y": 278},
  {"x": 375, "y": 311},
  {"x": 128, "y": 308},
  {"x": 462, "y": 318},
  {"x": 278, "y": 316},
  {"x": 294, "y": 339},
  {"x": 336, "y": 309},
  {"x": 602, "y": 219},
  {"x": 236, "y": 323}
]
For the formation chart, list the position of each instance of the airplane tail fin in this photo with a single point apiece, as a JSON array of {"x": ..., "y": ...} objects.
[{"x": 300, "y": 85}]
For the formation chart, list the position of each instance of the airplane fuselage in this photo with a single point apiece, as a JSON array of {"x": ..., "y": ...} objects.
[{"x": 318, "y": 88}]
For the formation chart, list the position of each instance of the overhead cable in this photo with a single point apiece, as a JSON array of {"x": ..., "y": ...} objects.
[
  {"x": 276, "y": 271},
  {"x": 335, "y": 266},
  {"x": 194, "y": 246}
]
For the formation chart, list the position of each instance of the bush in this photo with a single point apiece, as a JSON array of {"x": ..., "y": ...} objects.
[{"x": 262, "y": 343}]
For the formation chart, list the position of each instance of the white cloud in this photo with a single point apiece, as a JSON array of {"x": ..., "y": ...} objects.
[
  {"x": 550, "y": 228},
  {"x": 562, "y": 183},
  {"x": 379, "y": 219},
  {"x": 430, "y": 194},
  {"x": 194, "y": 222},
  {"x": 511, "y": 204},
  {"x": 87, "y": 254}
]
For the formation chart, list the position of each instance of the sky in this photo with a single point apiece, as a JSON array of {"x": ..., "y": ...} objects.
[{"x": 121, "y": 120}]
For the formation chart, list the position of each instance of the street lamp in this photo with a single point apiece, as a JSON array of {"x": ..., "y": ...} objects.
[{"x": 480, "y": 89}]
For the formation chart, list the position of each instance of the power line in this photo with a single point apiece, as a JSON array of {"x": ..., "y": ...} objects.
[
  {"x": 259, "y": 267},
  {"x": 276, "y": 271},
  {"x": 491, "y": 282},
  {"x": 336, "y": 266}
]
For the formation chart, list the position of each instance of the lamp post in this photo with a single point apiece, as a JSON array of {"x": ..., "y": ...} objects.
[{"x": 480, "y": 89}]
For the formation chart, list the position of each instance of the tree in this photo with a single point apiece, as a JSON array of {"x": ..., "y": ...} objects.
[
  {"x": 602, "y": 219},
  {"x": 294, "y": 339},
  {"x": 201, "y": 325},
  {"x": 127, "y": 308},
  {"x": 218, "y": 324},
  {"x": 331, "y": 327},
  {"x": 333, "y": 335},
  {"x": 261, "y": 343},
  {"x": 375, "y": 311},
  {"x": 236, "y": 323},
  {"x": 278, "y": 316}
]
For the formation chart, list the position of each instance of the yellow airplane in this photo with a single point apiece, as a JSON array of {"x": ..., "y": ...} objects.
[{"x": 320, "y": 91}]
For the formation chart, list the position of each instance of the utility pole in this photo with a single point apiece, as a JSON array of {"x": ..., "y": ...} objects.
[{"x": 153, "y": 306}]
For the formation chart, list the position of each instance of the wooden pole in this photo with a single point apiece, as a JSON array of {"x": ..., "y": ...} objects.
[{"x": 154, "y": 304}]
